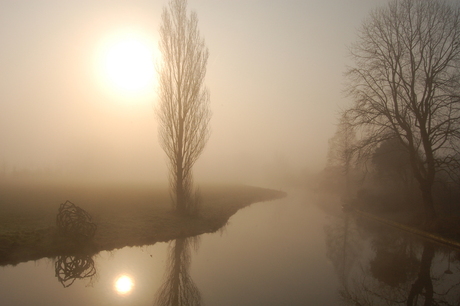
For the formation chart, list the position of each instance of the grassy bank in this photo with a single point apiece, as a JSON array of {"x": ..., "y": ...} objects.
[{"x": 125, "y": 215}]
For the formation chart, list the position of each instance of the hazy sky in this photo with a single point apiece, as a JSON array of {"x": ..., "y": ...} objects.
[{"x": 275, "y": 75}]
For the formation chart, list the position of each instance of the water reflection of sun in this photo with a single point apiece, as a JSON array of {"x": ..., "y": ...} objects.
[{"x": 124, "y": 284}]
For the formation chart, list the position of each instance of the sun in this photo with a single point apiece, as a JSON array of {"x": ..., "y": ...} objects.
[
  {"x": 129, "y": 64},
  {"x": 125, "y": 64},
  {"x": 124, "y": 285}
]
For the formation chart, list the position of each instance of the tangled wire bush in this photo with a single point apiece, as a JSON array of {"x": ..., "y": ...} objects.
[{"x": 75, "y": 222}]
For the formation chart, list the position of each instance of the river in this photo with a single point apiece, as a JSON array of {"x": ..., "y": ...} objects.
[{"x": 298, "y": 250}]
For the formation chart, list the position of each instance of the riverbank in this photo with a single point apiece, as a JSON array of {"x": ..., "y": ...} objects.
[
  {"x": 445, "y": 230},
  {"x": 125, "y": 215}
]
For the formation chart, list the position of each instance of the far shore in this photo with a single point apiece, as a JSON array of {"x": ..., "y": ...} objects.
[{"x": 125, "y": 215}]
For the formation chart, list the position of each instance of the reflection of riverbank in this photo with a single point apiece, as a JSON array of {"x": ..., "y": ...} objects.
[
  {"x": 125, "y": 217},
  {"x": 379, "y": 264},
  {"x": 436, "y": 237},
  {"x": 270, "y": 253},
  {"x": 445, "y": 228}
]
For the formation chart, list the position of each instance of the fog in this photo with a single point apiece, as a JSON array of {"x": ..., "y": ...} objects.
[{"x": 275, "y": 76}]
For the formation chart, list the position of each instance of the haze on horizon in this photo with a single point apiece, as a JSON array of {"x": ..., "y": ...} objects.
[{"x": 275, "y": 75}]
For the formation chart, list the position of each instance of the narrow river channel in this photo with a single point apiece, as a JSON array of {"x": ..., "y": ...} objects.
[{"x": 293, "y": 251}]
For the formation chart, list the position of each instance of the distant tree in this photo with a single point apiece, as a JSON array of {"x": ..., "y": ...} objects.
[
  {"x": 406, "y": 85},
  {"x": 341, "y": 148},
  {"x": 391, "y": 163},
  {"x": 183, "y": 110},
  {"x": 391, "y": 160}
]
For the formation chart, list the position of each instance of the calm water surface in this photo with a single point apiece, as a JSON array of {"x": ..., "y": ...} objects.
[{"x": 294, "y": 251}]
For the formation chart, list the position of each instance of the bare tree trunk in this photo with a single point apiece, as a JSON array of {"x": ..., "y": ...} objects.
[
  {"x": 425, "y": 177},
  {"x": 428, "y": 203},
  {"x": 180, "y": 198},
  {"x": 180, "y": 194}
]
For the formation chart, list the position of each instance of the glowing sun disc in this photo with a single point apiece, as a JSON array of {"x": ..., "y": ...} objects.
[
  {"x": 124, "y": 285},
  {"x": 129, "y": 64}
]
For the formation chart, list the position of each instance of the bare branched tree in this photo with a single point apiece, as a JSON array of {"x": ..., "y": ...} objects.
[
  {"x": 183, "y": 110},
  {"x": 406, "y": 85}
]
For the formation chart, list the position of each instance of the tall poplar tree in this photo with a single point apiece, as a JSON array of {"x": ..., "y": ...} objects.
[{"x": 183, "y": 111}]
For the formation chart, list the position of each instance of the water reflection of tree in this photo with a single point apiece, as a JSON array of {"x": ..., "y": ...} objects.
[
  {"x": 178, "y": 287},
  {"x": 398, "y": 275},
  {"x": 395, "y": 260},
  {"x": 423, "y": 283},
  {"x": 342, "y": 246},
  {"x": 70, "y": 268}
]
